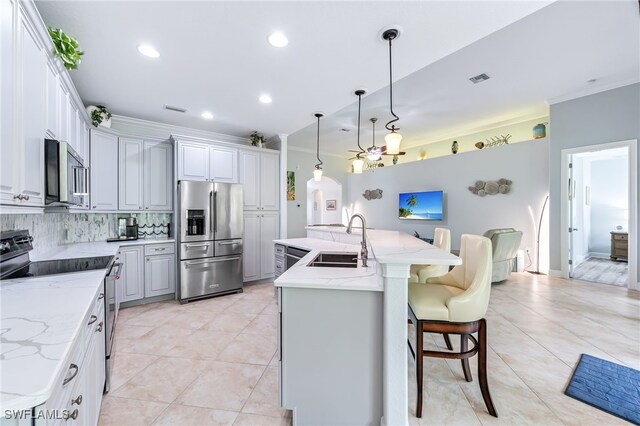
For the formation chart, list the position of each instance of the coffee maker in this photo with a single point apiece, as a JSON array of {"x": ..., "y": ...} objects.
[{"x": 128, "y": 228}]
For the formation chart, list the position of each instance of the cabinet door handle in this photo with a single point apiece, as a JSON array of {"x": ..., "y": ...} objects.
[
  {"x": 73, "y": 415},
  {"x": 94, "y": 207},
  {"x": 92, "y": 319},
  {"x": 77, "y": 401},
  {"x": 25, "y": 197},
  {"x": 99, "y": 328},
  {"x": 101, "y": 296},
  {"x": 75, "y": 373}
]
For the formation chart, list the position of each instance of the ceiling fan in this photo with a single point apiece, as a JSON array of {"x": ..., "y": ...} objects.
[{"x": 374, "y": 153}]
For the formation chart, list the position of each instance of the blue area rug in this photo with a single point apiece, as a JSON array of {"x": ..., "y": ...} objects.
[{"x": 608, "y": 386}]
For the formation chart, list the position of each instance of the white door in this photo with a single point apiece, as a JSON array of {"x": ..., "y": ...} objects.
[
  {"x": 132, "y": 273},
  {"x": 193, "y": 161},
  {"x": 268, "y": 232},
  {"x": 130, "y": 174},
  {"x": 250, "y": 179},
  {"x": 571, "y": 190},
  {"x": 269, "y": 182},
  {"x": 159, "y": 275},
  {"x": 223, "y": 165},
  {"x": 251, "y": 248},
  {"x": 32, "y": 96},
  {"x": 104, "y": 171},
  {"x": 158, "y": 182},
  {"x": 7, "y": 107}
]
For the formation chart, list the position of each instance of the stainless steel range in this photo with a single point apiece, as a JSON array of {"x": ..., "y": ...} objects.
[
  {"x": 15, "y": 263},
  {"x": 210, "y": 237}
]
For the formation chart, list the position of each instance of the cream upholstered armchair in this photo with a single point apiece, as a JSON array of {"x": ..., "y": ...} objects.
[
  {"x": 420, "y": 273},
  {"x": 456, "y": 303},
  {"x": 505, "y": 243}
]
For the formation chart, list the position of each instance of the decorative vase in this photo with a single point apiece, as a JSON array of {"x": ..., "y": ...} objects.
[
  {"x": 539, "y": 131},
  {"x": 454, "y": 147}
]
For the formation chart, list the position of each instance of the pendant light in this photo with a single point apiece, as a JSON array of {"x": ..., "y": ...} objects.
[
  {"x": 317, "y": 173},
  {"x": 374, "y": 153},
  {"x": 358, "y": 163},
  {"x": 394, "y": 138}
]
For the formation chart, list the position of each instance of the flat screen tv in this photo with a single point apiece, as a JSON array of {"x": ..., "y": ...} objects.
[{"x": 420, "y": 205}]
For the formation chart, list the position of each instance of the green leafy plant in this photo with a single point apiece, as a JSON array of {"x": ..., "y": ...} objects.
[
  {"x": 256, "y": 138},
  {"x": 66, "y": 48},
  {"x": 99, "y": 114}
]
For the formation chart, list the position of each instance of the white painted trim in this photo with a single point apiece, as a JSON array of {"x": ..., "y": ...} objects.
[
  {"x": 283, "y": 184},
  {"x": 555, "y": 273},
  {"x": 592, "y": 90},
  {"x": 633, "y": 205},
  {"x": 21, "y": 210},
  {"x": 143, "y": 127},
  {"x": 598, "y": 255}
]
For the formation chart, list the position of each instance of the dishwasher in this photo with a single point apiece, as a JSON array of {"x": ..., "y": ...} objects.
[{"x": 293, "y": 255}]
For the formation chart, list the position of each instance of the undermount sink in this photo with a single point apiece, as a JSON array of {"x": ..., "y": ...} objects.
[{"x": 335, "y": 260}]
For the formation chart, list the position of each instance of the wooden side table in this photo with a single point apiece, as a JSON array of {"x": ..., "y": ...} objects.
[{"x": 619, "y": 245}]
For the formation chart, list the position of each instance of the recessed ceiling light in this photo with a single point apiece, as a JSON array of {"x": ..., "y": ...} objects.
[
  {"x": 207, "y": 115},
  {"x": 278, "y": 40},
  {"x": 148, "y": 51},
  {"x": 593, "y": 80},
  {"x": 265, "y": 99}
]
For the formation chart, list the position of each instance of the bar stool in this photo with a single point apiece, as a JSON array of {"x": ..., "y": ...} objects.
[
  {"x": 420, "y": 273},
  {"x": 456, "y": 303}
]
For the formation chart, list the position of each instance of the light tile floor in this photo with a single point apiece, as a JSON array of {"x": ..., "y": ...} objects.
[{"x": 213, "y": 362}]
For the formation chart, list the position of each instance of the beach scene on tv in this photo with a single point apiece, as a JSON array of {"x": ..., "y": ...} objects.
[{"x": 420, "y": 205}]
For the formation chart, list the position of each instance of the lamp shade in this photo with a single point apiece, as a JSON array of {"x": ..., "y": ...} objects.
[
  {"x": 357, "y": 164},
  {"x": 374, "y": 154},
  {"x": 393, "y": 140},
  {"x": 317, "y": 175}
]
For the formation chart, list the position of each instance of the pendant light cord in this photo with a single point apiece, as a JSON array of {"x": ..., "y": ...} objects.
[
  {"x": 362, "y": 151},
  {"x": 392, "y": 128},
  {"x": 318, "y": 166}
]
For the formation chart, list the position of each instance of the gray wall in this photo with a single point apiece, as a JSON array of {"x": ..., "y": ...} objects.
[
  {"x": 604, "y": 117},
  {"x": 524, "y": 163},
  {"x": 302, "y": 163}
]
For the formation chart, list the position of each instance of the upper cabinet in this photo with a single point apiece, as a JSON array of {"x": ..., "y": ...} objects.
[
  {"x": 205, "y": 162},
  {"x": 145, "y": 175},
  {"x": 259, "y": 175},
  {"x": 104, "y": 171}
]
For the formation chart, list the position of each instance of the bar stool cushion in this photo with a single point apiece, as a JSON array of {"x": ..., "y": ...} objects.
[{"x": 429, "y": 301}]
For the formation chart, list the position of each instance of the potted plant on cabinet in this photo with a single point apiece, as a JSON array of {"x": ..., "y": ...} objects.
[
  {"x": 99, "y": 115},
  {"x": 66, "y": 48}
]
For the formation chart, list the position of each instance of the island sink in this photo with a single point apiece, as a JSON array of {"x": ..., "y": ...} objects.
[{"x": 335, "y": 260}]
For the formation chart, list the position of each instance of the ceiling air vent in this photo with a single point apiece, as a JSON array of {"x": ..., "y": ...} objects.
[
  {"x": 174, "y": 108},
  {"x": 479, "y": 78}
]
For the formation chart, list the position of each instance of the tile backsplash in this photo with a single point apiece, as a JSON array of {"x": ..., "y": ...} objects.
[{"x": 50, "y": 230}]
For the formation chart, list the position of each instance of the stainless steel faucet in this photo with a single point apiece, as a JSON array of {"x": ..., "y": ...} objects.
[{"x": 364, "y": 253}]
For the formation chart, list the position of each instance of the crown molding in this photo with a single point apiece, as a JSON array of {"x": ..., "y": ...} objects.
[
  {"x": 139, "y": 126},
  {"x": 592, "y": 90}
]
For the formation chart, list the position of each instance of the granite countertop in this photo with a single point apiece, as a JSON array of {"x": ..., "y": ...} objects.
[
  {"x": 385, "y": 247},
  {"x": 40, "y": 318}
]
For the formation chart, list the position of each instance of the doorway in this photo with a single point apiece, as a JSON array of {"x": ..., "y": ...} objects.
[{"x": 600, "y": 214}]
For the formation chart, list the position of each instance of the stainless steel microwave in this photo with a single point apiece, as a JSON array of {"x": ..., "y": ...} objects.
[{"x": 66, "y": 179}]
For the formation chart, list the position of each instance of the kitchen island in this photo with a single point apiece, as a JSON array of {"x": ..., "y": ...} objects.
[{"x": 343, "y": 342}]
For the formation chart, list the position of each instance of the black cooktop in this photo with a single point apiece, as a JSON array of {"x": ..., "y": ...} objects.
[{"x": 63, "y": 266}]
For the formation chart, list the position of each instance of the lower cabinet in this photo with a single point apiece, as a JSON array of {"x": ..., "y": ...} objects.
[
  {"x": 260, "y": 229},
  {"x": 147, "y": 271}
]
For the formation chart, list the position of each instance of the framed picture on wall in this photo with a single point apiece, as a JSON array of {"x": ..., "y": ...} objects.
[{"x": 331, "y": 204}]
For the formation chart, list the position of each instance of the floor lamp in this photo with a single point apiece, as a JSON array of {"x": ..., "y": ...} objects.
[{"x": 537, "y": 271}]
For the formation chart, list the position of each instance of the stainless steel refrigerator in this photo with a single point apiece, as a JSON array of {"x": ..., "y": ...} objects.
[{"x": 210, "y": 229}]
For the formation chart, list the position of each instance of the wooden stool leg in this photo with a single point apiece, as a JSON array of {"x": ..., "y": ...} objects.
[
  {"x": 419, "y": 363},
  {"x": 482, "y": 367},
  {"x": 447, "y": 341},
  {"x": 464, "y": 346}
]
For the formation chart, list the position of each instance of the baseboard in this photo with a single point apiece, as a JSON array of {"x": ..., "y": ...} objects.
[
  {"x": 599, "y": 255},
  {"x": 555, "y": 273}
]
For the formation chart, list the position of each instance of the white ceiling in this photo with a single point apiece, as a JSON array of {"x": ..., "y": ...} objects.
[{"x": 214, "y": 56}]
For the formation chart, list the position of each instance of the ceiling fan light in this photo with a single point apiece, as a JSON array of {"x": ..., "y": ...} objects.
[
  {"x": 358, "y": 165},
  {"x": 317, "y": 175},
  {"x": 393, "y": 140},
  {"x": 374, "y": 154}
]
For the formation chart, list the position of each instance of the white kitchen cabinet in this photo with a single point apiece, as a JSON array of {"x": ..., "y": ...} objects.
[
  {"x": 205, "y": 162},
  {"x": 260, "y": 229},
  {"x": 223, "y": 164},
  {"x": 104, "y": 171},
  {"x": 159, "y": 275},
  {"x": 158, "y": 177},
  {"x": 64, "y": 105},
  {"x": 73, "y": 129},
  {"x": 130, "y": 174},
  {"x": 132, "y": 272},
  {"x": 8, "y": 184},
  {"x": 259, "y": 176},
  {"x": 193, "y": 161},
  {"x": 53, "y": 96}
]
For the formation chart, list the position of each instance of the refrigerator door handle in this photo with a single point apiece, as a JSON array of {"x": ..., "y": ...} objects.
[
  {"x": 215, "y": 211},
  {"x": 203, "y": 262}
]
